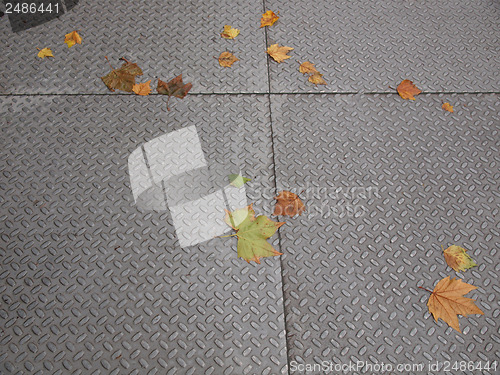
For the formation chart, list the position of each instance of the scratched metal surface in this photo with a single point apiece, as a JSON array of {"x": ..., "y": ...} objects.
[
  {"x": 90, "y": 282},
  {"x": 360, "y": 46},
  {"x": 386, "y": 182},
  {"x": 164, "y": 38}
]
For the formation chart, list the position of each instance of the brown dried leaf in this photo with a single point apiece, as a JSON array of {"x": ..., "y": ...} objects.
[
  {"x": 407, "y": 90},
  {"x": 226, "y": 59},
  {"x": 288, "y": 204}
]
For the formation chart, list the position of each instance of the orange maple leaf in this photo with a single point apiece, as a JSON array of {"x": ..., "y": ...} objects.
[
  {"x": 142, "y": 88},
  {"x": 447, "y": 301},
  {"x": 447, "y": 107},
  {"x": 289, "y": 204},
  {"x": 407, "y": 90},
  {"x": 317, "y": 79},
  {"x": 307, "y": 68},
  {"x": 72, "y": 38},
  {"x": 279, "y": 54},
  {"x": 226, "y": 59},
  {"x": 268, "y": 18}
]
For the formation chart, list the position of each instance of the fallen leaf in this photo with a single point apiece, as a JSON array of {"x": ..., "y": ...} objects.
[
  {"x": 252, "y": 233},
  {"x": 229, "y": 32},
  {"x": 226, "y": 59},
  {"x": 122, "y": 78},
  {"x": 447, "y": 301},
  {"x": 238, "y": 180},
  {"x": 45, "y": 52},
  {"x": 289, "y": 204},
  {"x": 447, "y": 107},
  {"x": 268, "y": 18},
  {"x": 174, "y": 87},
  {"x": 457, "y": 258},
  {"x": 317, "y": 79},
  {"x": 72, "y": 38},
  {"x": 307, "y": 68},
  {"x": 407, "y": 90},
  {"x": 142, "y": 88},
  {"x": 279, "y": 54}
]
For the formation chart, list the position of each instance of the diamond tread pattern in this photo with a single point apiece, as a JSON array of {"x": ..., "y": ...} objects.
[
  {"x": 367, "y": 46},
  {"x": 164, "y": 39},
  {"x": 387, "y": 182},
  {"x": 89, "y": 282}
]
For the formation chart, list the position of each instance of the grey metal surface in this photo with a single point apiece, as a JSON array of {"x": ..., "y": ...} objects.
[
  {"x": 164, "y": 38},
  {"x": 369, "y": 45},
  {"x": 90, "y": 283},
  {"x": 387, "y": 182}
]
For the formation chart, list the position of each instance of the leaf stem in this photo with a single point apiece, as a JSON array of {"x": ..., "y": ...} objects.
[
  {"x": 229, "y": 235},
  {"x": 168, "y": 108},
  {"x": 109, "y": 63},
  {"x": 430, "y": 291}
]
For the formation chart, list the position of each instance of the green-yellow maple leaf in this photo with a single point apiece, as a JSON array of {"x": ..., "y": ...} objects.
[
  {"x": 457, "y": 258},
  {"x": 237, "y": 180},
  {"x": 252, "y": 233}
]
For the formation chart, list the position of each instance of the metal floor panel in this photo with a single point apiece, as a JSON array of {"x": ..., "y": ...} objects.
[
  {"x": 366, "y": 46},
  {"x": 386, "y": 182},
  {"x": 164, "y": 38},
  {"x": 93, "y": 284}
]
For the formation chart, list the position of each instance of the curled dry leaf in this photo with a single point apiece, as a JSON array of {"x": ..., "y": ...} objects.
[
  {"x": 229, "y": 32},
  {"x": 252, "y": 233},
  {"x": 447, "y": 107},
  {"x": 317, "y": 79},
  {"x": 407, "y": 90},
  {"x": 457, "y": 258},
  {"x": 45, "y": 52},
  {"x": 289, "y": 204},
  {"x": 122, "y": 78},
  {"x": 268, "y": 18},
  {"x": 174, "y": 87},
  {"x": 279, "y": 54},
  {"x": 72, "y": 38},
  {"x": 226, "y": 59},
  {"x": 447, "y": 301},
  {"x": 142, "y": 88},
  {"x": 307, "y": 68}
]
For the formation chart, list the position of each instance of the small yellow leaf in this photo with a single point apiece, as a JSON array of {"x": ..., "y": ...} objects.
[
  {"x": 142, "y": 88},
  {"x": 45, "y": 52},
  {"x": 72, "y": 38},
  {"x": 447, "y": 301},
  {"x": 316, "y": 79},
  {"x": 279, "y": 54},
  {"x": 226, "y": 59},
  {"x": 307, "y": 68},
  {"x": 407, "y": 90},
  {"x": 447, "y": 107},
  {"x": 268, "y": 18},
  {"x": 457, "y": 258},
  {"x": 229, "y": 32}
]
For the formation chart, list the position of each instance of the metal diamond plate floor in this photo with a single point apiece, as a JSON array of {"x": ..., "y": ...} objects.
[
  {"x": 450, "y": 45},
  {"x": 164, "y": 38},
  {"x": 386, "y": 183},
  {"x": 90, "y": 282}
]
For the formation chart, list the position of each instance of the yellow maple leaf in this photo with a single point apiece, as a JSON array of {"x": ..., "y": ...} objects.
[
  {"x": 447, "y": 107},
  {"x": 317, "y": 79},
  {"x": 268, "y": 18},
  {"x": 447, "y": 301},
  {"x": 72, "y": 38},
  {"x": 229, "y": 32},
  {"x": 226, "y": 59},
  {"x": 307, "y": 68},
  {"x": 457, "y": 258},
  {"x": 407, "y": 90},
  {"x": 45, "y": 52},
  {"x": 142, "y": 88},
  {"x": 279, "y": 54}
]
